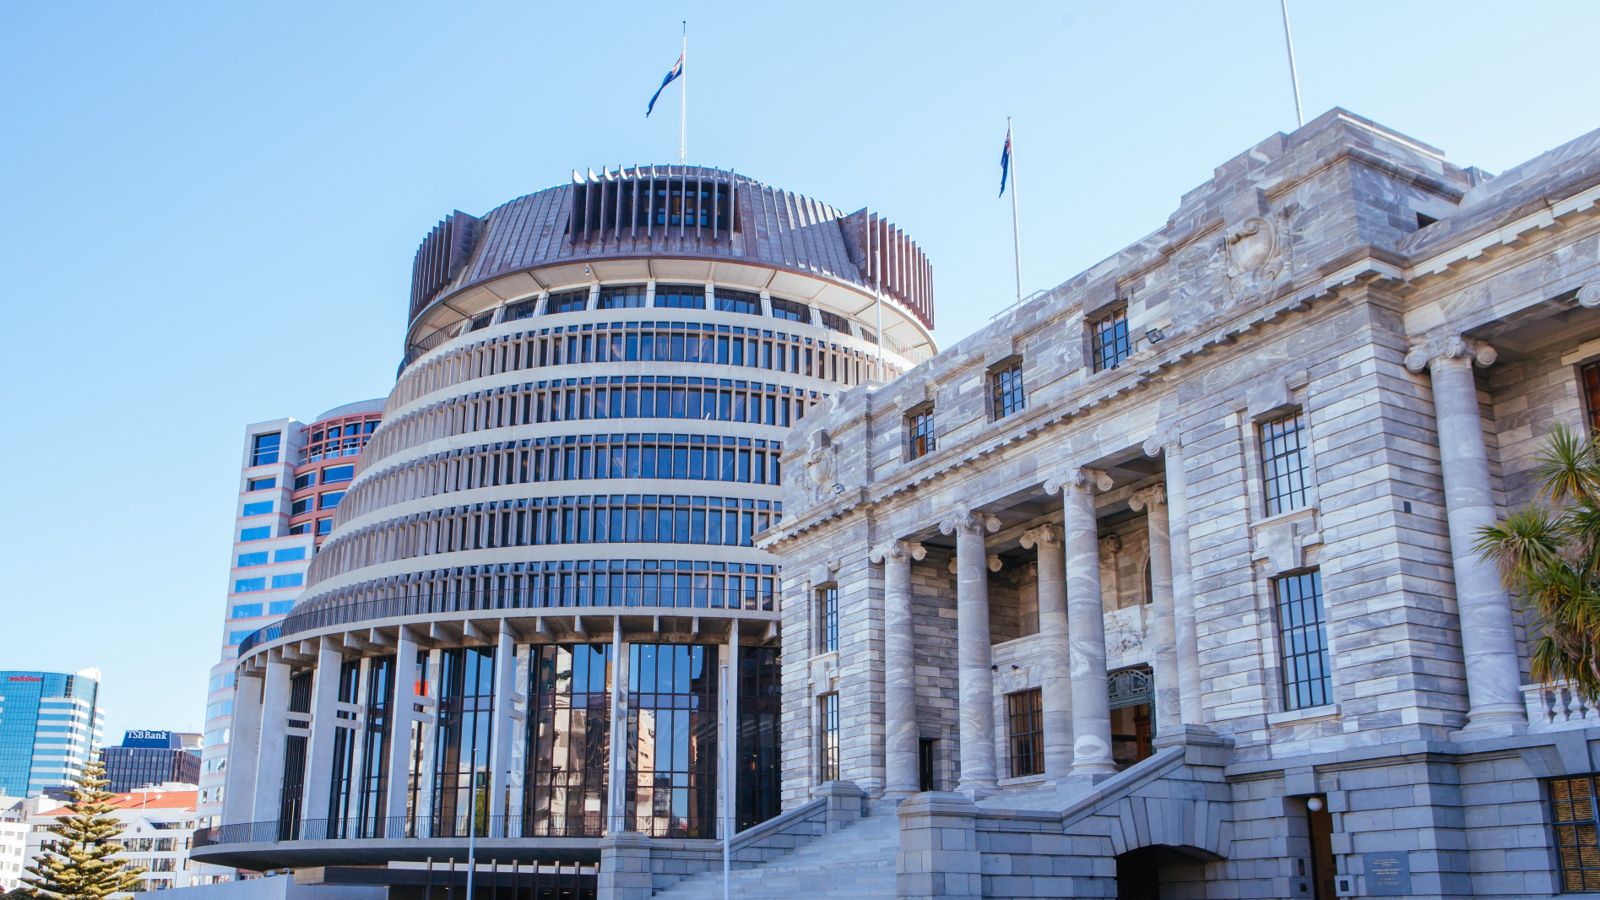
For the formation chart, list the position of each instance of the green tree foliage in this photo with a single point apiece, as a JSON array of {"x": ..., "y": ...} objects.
[
  {"x": 81, "y": 863},
  {"x": 1548, "y": 554}
]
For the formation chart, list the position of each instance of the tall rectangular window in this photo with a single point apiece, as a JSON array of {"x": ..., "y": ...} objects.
[
  {"x": 1283, "y": 463},
  {"x": 1108, "y": 339},
  {"x": 828, "y": 618},
  {"x": 1303, "y": 640},
  {"x": 1005, "y": 389},
  {"x": 1025, "y": 716},
  {"x": 919, "y": 425},
  {"x": 1591, "y": 394},
  {"x": 264, "y": 449},
  {"x": 1575, "y": 816},
  {"x": 828, "y": 731}
]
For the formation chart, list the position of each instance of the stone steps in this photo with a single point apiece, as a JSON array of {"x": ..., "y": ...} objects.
[{"x": 854, "y": 862}]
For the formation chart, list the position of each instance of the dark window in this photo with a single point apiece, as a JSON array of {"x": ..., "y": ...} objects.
[
  {"x": 919, "y": 425},
  {"x": 759, "y": 764},
  {"x": 1108, "y": 336},
  {"x": 1025, "y": 716},
  {"x": 341, "y": 791},
  {"x": 568, "y": 748},
  {"x": 1575, "y": 816},
  {"x": 264, "y": 449},
  {"x": 466, "y": 703},
  {"x": 482, "y": 320},
  {"x": 835, "y": 322},
  {"x": 568, "y": 301},
  {"x": 1591, "y": 393},
  {"x": 1283, "y": 463},
  {"x": 303, "y": 505},
  {"x": 928, "y": 764},
  {"x": 324, "y": 526},
  {"x": 338, "y": 473},
  {"x": 828, "y": 745},
  {"x": 623, "y": 297},
  {"x": 672, "y": 740},
  {"x": 522, "y": 310},
  {"x": 1005, "y": 388},
  {"x": 680, "y": 296},
  {"x": 305, "y": 480},
  {"x": 331, "y": 500},
  {"x": 1303, "y": 641},
  {"x": 828, "y": 622},
  {"x": 788, "y": 309},
  {"x": 375, "y": 755},
  {"x": 738, "y": 301},
  {"x": 1424, "y": 220},
  {"x": 261, "y": 484}
]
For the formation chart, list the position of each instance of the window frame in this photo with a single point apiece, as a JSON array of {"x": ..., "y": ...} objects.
[
  {"x": 1121, "y": 345},
  {"x": 828, "y": 754},
  {"x": 1319, "y": 689},
  {"x": 1284, "y": 490},
  {"x": 921, "y": 432},
  {"x": 1025, "y": 732},
  {"x": 1589, "y": 876},
  {"x": 1007, "y": 389},
  {"x": 261, "y": 454},
  {"x": 827, "y": 618}
]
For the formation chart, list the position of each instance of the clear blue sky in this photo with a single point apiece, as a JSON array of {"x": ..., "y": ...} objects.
[{"x": 208, "y": 210}]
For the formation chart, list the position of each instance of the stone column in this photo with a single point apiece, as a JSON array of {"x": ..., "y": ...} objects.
[
  {"x": 401, "y": 714},
  {"x": 617, "y": 734},
  {"x": 244, "y": 749},
  {"x": 728, "y": 759},
  {"x": 1494, "y": 682},
  {"x": 1056, "y": 681},
  {"x": 268, "y": 799},
  {"x": 1163, "y": 652},
  {"x": 501, "y": 727},
  {"x": 1186, "y": 638},
  {"x": 975, "y": 656},
  {"x": 325, "y": 724},
  {"x": 1086, "y": 625},
  {"x": 899, "y": 668}
]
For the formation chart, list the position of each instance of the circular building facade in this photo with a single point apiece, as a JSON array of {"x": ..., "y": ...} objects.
[{"x": 540, "y": 609}]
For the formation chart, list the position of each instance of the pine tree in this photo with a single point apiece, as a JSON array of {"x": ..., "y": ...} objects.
[{"x": 81, "y": 864}]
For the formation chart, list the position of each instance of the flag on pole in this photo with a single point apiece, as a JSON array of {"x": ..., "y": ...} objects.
[
  {"x": 673, "y": 74},
  {"x": 1005, "y": 161}
]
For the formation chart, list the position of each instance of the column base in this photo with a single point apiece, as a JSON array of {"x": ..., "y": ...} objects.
[
  {"x": 1500, "y": 721},
  {"x": 977, "y": 790}
]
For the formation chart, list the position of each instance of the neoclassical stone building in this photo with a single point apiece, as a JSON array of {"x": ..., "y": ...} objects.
[{"x": 1163, "y": 583}]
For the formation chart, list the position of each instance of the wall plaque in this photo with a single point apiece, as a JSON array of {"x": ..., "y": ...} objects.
[{"x": 1388, "y": 874}]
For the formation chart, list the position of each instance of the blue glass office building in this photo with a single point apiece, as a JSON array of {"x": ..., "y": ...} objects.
[{"x": 50, "y": 723}]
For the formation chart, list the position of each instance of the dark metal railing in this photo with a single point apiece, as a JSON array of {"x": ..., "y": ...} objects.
[{"x": 566, "y": 601}]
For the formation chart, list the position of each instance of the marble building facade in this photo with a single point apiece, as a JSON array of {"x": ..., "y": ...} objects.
[{"x": 1163, "y": 583}]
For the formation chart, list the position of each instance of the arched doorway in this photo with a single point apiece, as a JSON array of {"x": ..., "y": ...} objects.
[{"x": 1143, "y": 873}]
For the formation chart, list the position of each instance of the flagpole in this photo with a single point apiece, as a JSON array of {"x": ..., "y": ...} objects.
[
  {"x": 1294, "y": 76},
  {"x": 683, "y": 101},
  {"x": 1016, "y": 233}
]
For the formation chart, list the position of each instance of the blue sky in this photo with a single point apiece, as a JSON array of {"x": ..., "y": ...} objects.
[{"x": 208, "y": 211}]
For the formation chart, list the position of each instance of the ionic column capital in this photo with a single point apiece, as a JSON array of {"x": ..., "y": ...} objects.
[
  {"x": 1081, "y": 478},
  {"x": 968, "y": 521},
  {"x": 1167, "y": 438},
  {"x": 1040, "y": 536},
  {"x": 1152, "y": 496},
  {"x": 1589, "y": 295},
  {"x": 897, "y": 549},
  {"x": 1449, "y": 345}
]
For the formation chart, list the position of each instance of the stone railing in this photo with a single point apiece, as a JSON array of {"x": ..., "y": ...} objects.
[{"x": 1556, "y": 707}]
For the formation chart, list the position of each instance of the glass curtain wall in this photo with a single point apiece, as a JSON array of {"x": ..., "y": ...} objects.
[
  {"x": 759, "y": 762},
  {"x": 344, "y": 757},
  {"x": 568, "y": 740},
  {"x": 672, "y": 740},
  {"x": 466, "y": 721},
  {"x": 375, "y": 747},
  {"x": 294, "y": 760}
]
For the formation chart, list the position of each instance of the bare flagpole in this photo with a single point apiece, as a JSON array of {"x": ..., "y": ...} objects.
[
  {"x": 683, "y": 101},
  {"x": 1294, "y": 76},
  {"x": 1016, "y": 233}
]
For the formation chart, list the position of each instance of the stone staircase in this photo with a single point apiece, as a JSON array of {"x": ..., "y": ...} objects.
[{"x": 857, "y": 862}]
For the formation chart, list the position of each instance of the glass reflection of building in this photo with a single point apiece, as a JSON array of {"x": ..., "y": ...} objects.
[{"x": 552, "y": 534}]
